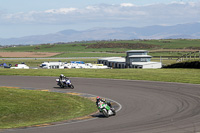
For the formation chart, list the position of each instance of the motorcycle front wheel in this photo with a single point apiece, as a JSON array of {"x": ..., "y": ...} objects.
[
  {"x": 105, "y": 113},
  {"x": 114, "y": 112},
  {"x": 71, "y": 86}
]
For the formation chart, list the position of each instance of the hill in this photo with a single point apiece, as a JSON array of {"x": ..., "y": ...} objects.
[
  {"x": 112, "y": 46},
  {"x": 185, "y": 31}
]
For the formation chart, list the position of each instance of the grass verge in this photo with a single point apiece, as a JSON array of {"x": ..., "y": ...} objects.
[
  {"x": 19, "y": 108},
  {"x": 166, "y": 75}
]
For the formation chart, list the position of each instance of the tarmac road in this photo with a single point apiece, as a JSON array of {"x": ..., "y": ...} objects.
[{"x": 147, "y": 107}]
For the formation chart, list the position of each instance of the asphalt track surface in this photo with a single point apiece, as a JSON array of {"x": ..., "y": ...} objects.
[{"x": 147, "y": 107}]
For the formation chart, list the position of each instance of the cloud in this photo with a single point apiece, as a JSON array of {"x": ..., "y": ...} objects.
[
  {"x": 61, "y": 10},
  {"x": 122, "y": 14},
  {"x": 127, "y": 5}
]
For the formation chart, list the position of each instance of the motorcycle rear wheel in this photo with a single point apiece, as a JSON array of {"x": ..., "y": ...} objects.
[{"x": 61, "y": 86}]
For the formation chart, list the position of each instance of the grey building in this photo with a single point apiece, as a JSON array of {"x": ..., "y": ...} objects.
[{"x": 133, "y": 59}]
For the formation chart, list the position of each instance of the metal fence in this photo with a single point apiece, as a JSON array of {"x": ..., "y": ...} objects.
[{"x": 189, "y": 56}]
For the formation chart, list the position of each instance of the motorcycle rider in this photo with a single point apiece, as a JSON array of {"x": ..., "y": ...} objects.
[
  {"x": 62, "y": 77},
  {"x": 98, "y": 99}
]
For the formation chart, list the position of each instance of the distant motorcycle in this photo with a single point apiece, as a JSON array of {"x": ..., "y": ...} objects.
[
  {"x": 105, "y": 109},
  {"x": 65, "y": 83}
]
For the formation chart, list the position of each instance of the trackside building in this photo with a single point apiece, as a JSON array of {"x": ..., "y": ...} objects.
[{"x": 133, "y": 59}]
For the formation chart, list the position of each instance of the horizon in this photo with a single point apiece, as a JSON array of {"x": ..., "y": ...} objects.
[
  {"x": 179, "y": 31},
  {"x": 95, "y": 28}
]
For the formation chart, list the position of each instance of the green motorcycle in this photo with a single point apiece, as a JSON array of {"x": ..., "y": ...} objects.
[{"x": 105, "y": 109}]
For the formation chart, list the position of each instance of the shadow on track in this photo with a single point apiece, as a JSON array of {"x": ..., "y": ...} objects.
[
  {"x": 98, "y": 115},
  {"x": 62, "y": 88}
]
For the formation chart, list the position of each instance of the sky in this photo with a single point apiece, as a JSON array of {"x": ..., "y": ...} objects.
[{"x": 20, "y": 18}]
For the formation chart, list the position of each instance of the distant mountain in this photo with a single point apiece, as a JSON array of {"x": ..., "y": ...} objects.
[{"x": 185, "y": 31}]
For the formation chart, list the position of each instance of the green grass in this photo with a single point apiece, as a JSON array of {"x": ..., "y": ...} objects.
[
  {"x": 166, "y": 75},
  {"x": 19, "y": 108}
]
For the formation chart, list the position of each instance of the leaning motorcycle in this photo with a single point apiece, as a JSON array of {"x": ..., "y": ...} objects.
[
  {"x": 65, "y": 83},
  {"x": 105, "y": 109}
]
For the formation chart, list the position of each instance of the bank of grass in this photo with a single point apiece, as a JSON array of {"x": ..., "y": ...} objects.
[
  {"x": 19, "y": 108},
  {"x": 165, "y": 75}
]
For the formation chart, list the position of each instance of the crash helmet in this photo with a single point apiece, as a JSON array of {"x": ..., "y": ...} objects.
[
  {"x": 61, "y": 75},
  {"x": 98, "y": 98}
]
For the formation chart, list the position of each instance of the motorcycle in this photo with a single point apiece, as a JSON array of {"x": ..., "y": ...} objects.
[
  {"x": 64, "y": 83},
  {"x": 105, "y": 109}
]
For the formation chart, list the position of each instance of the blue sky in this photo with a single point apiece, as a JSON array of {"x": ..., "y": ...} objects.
[{"x": 20, "y": 18}]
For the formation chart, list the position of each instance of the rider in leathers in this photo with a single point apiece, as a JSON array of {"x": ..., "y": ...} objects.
[
  {"x": 98, "y": 99},
  {"x": 62, "y": 77}
]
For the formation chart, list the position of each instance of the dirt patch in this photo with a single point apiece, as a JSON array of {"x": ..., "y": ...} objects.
[{"x": 27, "y": 54}]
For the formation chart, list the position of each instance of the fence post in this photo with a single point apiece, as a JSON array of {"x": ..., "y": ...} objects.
[
  {"x": 160, "y": 58},
  {"x": 199, "y": 54}
]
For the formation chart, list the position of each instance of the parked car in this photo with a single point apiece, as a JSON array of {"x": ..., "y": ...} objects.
[{"x": 20, "y": 66}]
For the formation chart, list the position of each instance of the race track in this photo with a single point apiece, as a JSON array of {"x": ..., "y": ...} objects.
[{"x": 147, "y": 107}]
